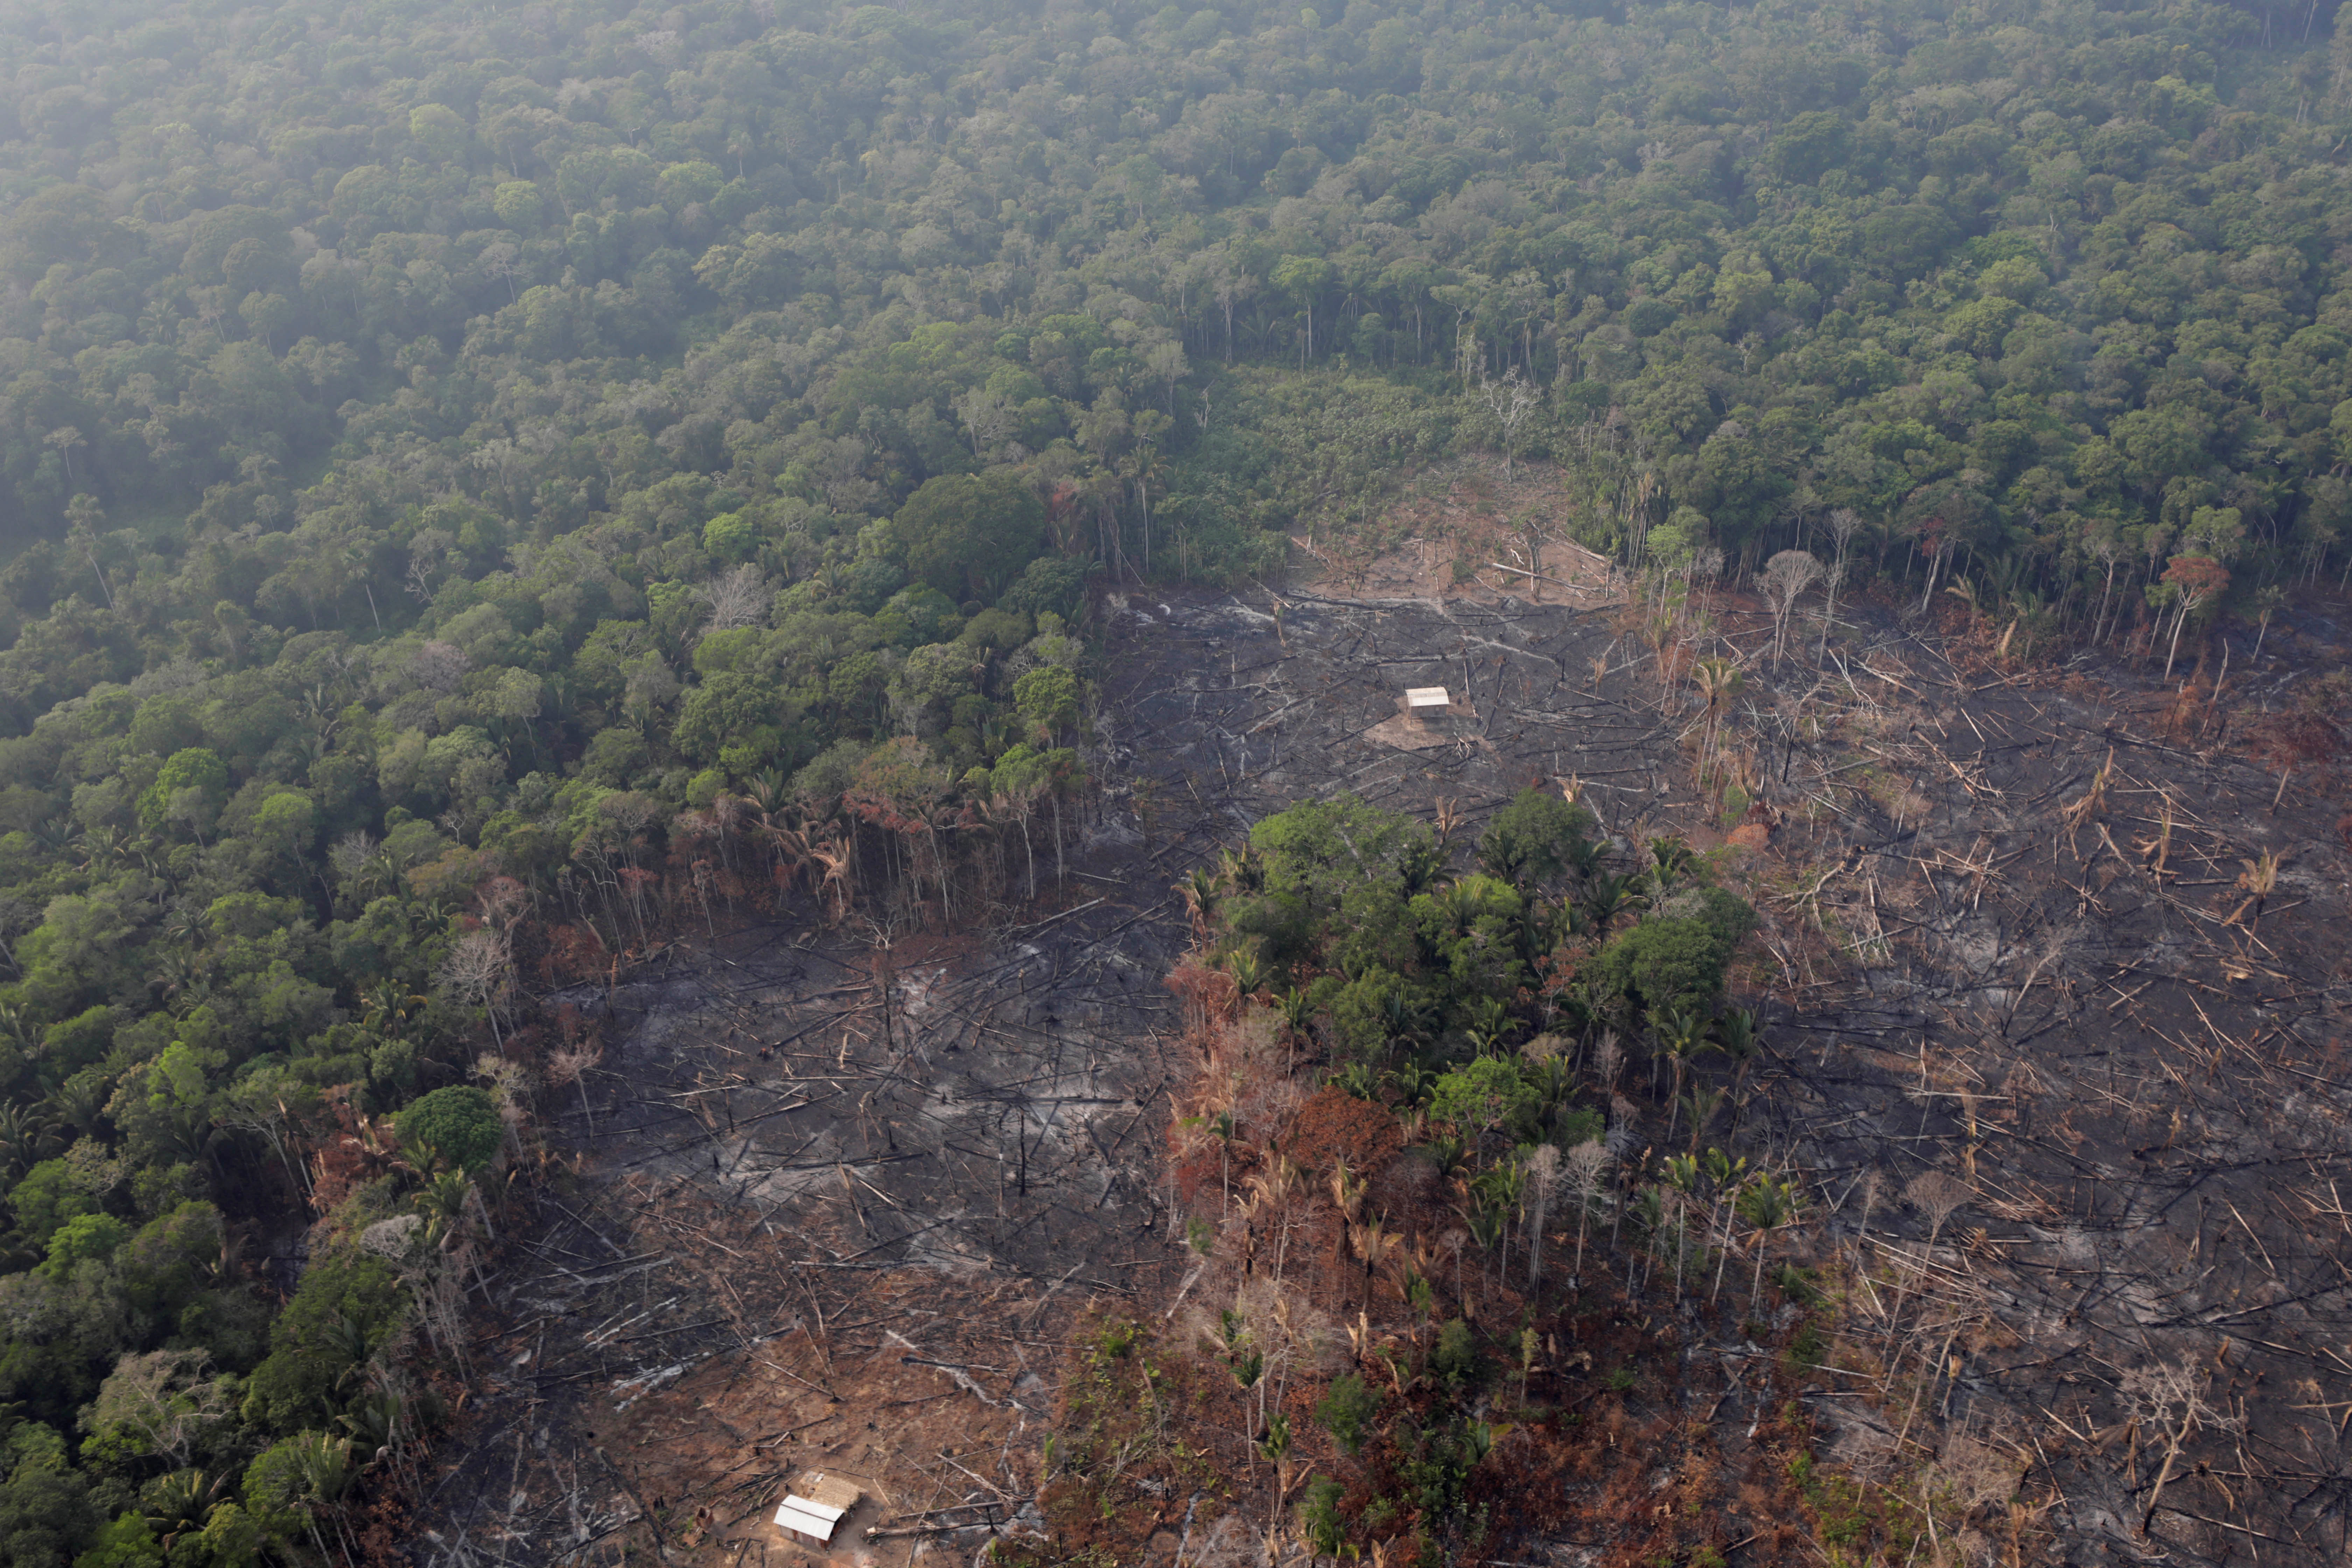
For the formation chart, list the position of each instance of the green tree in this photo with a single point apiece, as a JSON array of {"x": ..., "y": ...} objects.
[
  {"x": 189, "y": 788},
  {"x": 1535, "y": 837},
  {"x": 1484, "y": 1095},
  {"x": 1048, "y": 697},
  {"x": 970, "y": 536},
  {"x": 457, "y": 1126},
  {"x": 45, "y": 1516},
  {"x": 1304, "y": 278},
  {"x": 1678, "y": 955}
]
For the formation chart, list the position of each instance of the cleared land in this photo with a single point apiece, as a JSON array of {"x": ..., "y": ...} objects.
[{"x": 841, "y": 1208}]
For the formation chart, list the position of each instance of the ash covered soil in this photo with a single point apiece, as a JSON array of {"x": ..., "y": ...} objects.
[{"x": 834, "y": 1208}]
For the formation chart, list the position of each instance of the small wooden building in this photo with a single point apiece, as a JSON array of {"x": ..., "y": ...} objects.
[
  {"x": 815, "y": 1506},
  {"x": 1427, "y": 701}
]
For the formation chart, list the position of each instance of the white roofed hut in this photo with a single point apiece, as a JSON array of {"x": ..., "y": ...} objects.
[
  {"x": 815, "y": 1506},
  {"x": 1427, "y": 701}
]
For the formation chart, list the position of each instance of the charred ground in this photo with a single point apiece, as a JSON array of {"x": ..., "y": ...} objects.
[{"x": 834, "y": 1205}]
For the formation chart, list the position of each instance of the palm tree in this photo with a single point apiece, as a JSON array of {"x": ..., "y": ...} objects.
[
  {"x": 1272, "y": 1190},
  {"x": 1767, "y": 1205},
  {"x": 1249, "y": 972},
  {"x": 2259, "y": 881},
  {"x": 349, "y": 1343},
  {"x": 1671, "y": 861},
  {"x": 1242, "y": 1359},
  {"x": 1724, "y": 1175},
  {"x": 1347, "y": 1191},
  {"x": 181, "y": 1503},
  {"x": 181, "y": 977},
  {"x": 1682, "y": 1036},
  {"x": 325, "y": 1465},
  {"x": 1702, "y": 1102},
  {"x": 1240, "y": 872},
  {"x": 1374, "y": 1244},
  {"x": 1608, "y": 895},
  {"x": 1490, "y": 1021},
  {"x": 1218, "y": 1124},
  {"x": 1405, "y": 1020},
  {"x": 1298, "y": 1011},
  {"x": 1683, "y": 1176},
  {"x": 1198, "y": 889},
  {"x": 1274, "y": 1448},
  {"x": 1736, "y": 1037},
  {"x": 1718, "y": 680},
  {"x": 1648, "y": 1211},
  {"x": 388, "y": 1006},
  {"x": 445, "y": 1200},
  {"x": 379, "y": 1427},
  {"x": 25, "y": 1136},
  {"x": 1147, "y": 472},
  {"x": 1503, "y": 1189},
  {"x": 1449, "y": 822}
]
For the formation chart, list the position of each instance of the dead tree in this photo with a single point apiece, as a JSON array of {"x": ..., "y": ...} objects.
[{"x": 1783, "y": 581}]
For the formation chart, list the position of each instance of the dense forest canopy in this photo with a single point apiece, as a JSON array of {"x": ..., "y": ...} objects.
[{"x": 482, "y": 483}]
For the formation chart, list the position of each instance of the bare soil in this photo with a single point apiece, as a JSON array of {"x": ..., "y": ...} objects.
[{"x": 1469, "y": 529}]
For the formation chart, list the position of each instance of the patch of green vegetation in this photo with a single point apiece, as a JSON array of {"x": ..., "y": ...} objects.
[{"x": 1848, "y": 1514}]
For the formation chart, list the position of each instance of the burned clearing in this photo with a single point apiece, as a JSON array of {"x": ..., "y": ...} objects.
[
  {"x": 2055, "y": 1001},
  {"x": 2055, "y": 995},
  {"x": 2080, "y": 956},
  {"x": 830, "y": 1213},
  {"x": 810, "y": 1168}
]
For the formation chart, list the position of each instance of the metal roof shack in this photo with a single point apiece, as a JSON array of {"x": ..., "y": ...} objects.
[
  {"x": 814, "y": 1509},
  {"x": 1421, "y": 701}
]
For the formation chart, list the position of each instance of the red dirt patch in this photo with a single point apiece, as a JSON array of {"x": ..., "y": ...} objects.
[
  {"x": 1332, "y": 1124},
  {"x": 2293, "y": 739}
]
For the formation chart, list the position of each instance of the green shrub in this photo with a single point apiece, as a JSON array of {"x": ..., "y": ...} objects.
[
  {"x": 1454, "y": 1357},
  {"x": 1346, "y": 1411}
]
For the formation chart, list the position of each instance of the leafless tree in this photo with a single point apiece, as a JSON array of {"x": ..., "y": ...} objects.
[
  {"x": 651, "y": 683},
  {"x": 1938, "y": 1195},
  {"x": 478, "y": 969},
  {"x": 1543, "y": 1180},
  {"x": 737, "y": 598},
  {"x": 1705, "y": 567},
  {"x": 1607, "y": 1058},
  {"x": 1512, "y": 401},
  {"x": 428, "y": 552},
  {"x": 1843, "y": 524},
  {"x": 1871, "y": 1180},
  {"x": 2170, "y": 1396},
  {"x": 504, "y": 261},
  {"x": 1783, "y": 581},
  {"x": 164, "y": 1398},
  {"x": 1586, "y": 1162},
  {"x": 572, "y": 1067},
  {"x": 437, "y": 666},
  {"x": 351, "y": 852},
  {"x": 987, "y": 419},
  {"x": 510, "y": 1087}
]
